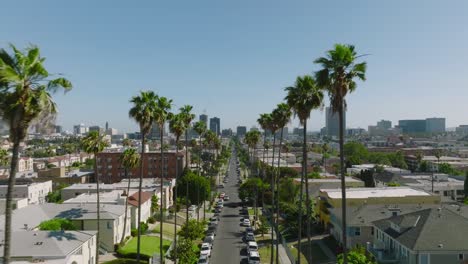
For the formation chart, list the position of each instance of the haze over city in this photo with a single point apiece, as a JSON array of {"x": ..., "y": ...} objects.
[{"x": 232, "y": 59}]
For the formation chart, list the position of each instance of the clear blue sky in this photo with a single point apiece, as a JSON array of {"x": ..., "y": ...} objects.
[{"x": 233, "y": 58}]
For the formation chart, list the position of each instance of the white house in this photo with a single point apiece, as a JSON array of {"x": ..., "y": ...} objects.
[
  {"x": 52, "y": 247},
  {"x": 25, "y": 164},
  {"x": 35, "y": 192}
]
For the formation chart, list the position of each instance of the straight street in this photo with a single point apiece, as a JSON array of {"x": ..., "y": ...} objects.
[{"x": 228, "y": 241}]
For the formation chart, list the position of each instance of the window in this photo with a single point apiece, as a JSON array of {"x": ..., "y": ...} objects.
[
  {"x": 424, "y": 259},
  {"x": 461, "y": 257},
  {"x": 372, "y": 230},
  {"x": 394, "y": 213},
  {"x": 109, "y": 225},
  {"x": 357, "y": 231}
]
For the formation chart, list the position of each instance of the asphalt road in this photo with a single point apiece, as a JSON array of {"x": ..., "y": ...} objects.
[{"x": 228, "y": 245}]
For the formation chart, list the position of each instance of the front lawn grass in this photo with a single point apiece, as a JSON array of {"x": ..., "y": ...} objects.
[{"x": 149, "y": 246}]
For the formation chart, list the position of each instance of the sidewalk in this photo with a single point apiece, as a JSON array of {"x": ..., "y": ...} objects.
[{"x": 283, "y": 256}]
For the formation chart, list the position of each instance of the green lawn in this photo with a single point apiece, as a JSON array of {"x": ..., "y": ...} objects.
[
  {"x": 125, "y": 261},
  {"x": 294, "y": 252},
  {"x": 265, "y": 253},
  {"x": 149, "y": 246},
  {"x": 168, "y": 229}
]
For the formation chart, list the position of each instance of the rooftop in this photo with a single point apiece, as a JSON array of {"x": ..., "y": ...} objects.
[
  {"x": 31, "y": 216},
  {"x": 46, "y": 244},
  {"x": 427, "y": 230},
  {"x": 111, "y": 197},
  {"x": 362, "y": 193}
]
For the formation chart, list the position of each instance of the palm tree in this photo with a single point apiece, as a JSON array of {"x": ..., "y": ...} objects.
[
  {"x": 4, "y": 158},
  {"x": 188, "y": 118},
  {"x": 177, "y": 126},
  {"x": 263, "y": 121},
  {"x": 25, "y": 97},
  {"x": 129, "y": 160},
  {"x": 325, "y": 149},
  {"x": 95, "y": 143},
  {"x": 272, "y": 126},
  {"x": 303, "y": 97},
  {"x": 142, "y": 111},
  {"x": 281, "y": 116},
  {"x": 338, "y": 74},
  {"x": 200, "y": 128},
  {"x": 161, "y": 115}
]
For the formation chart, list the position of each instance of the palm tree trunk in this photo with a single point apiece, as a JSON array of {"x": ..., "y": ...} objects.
[
  {"x": 301, "y": 192},
  {"x": 175, "y": 203},
  {"x": 272, "y": 199},
  {"x": 126, "y": 206},
  {"x": 8, "y": 208},
  {"x": 98, "y": 204},
  {"x": 186, "y": 148},
  {"x": 143, "y": 141},
  {"x": 308, "y": 212},
  {"x": 277, "y": 197},
  {"x": 263, "y": 172},
  {"x": 163, "y": 203},
  {"x": 343, "y": 187},
  {"x": 199, "y": 174}
]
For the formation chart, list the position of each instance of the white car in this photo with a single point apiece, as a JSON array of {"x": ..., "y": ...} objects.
[
  {"x": 203, "y": 259},
  {"x": 252, "y": 246},
  {"x": 205, "y": 249},
  {"x": 246, "y": 222},
  {"x": 254, "y": 257},
  {"x": 226, "y": 198}
]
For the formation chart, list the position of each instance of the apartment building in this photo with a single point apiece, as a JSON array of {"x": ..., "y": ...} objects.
[
  {"x": 35, "y": 192},
  {"x": 110, "y": 170}
]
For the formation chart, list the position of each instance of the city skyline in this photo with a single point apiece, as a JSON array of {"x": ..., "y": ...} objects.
[{"x": 232, "y": 60}]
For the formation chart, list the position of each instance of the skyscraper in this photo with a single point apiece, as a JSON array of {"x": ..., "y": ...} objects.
[
  {"x": 384, "y": 124},
  {"x": 204, "y": 118},
  {"x": 215, "y": 125},
  {"x": 241, "y": 131},
  {"x": 332, "y": 123},
  {"x": 412, "y": 126},
  {"x": 435, "y": 125}
]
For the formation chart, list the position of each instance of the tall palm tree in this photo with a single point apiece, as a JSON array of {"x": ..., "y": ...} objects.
[
  {"x": 161, "y": 115},
  {"x": 281, "y": 116},
  {"x": 186, "y": 111},
  {"x": 272, "y": 126},
  {"x": 25, "y": 97},
  {"x": 263, "y": 122},
  {"x": 200, "y": 128},
  {"x": 338, "y": 74},
  {"x": 177, "y": 126},
  {"x": 303, "y": 97},
  {"x": 129, "y": 160},
  {"x": 95, "y": 143},
  {"x": 142, "y": 111},
  {"x": 188, "y": 118}
]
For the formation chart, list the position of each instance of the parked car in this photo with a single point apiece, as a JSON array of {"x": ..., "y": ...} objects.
[
  {"x": 203, "y": 259},
  {"x": 249, "y": 237},
  {"x": 246, "y": 222},
  {"x": 226, "y": 198},
  {"x": 252, "y": 246},
  {"x": 221, "y": 186},
  {"x": 254, "y": 257},
  {"x": 214, "y": 218},
  {"x": 248, "y": 230},
  {"x": 205, "y": 249},
  {"x": 209, "y": 240}
]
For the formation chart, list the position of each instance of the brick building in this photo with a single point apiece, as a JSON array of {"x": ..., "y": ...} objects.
[{"x": 110, "y": 170}]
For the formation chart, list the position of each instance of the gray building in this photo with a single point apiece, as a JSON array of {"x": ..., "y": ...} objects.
[
  {"x": 97, "y": 128},
  {"x": 429, "y": 125},
  {"x": 384, "y": 124},
  {"x": 215, "y": 125},
  {"x": 241, "y": 131},
  {"x": 155, "y": 132},
  {"x": 435, "y": 125},
  {"x": 226, "y": 132},
  {"x": 80, "y": 129},
  {"x": 412, "y": 126},
  {"x": 332, "y": 123},
  {"x": 462, "y": 129},
  {"x": 58, "y": 129},
  {"x": 204, "y": 118}
]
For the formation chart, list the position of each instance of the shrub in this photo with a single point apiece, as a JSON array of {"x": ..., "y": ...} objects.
[
  {"x": 57, "y": 224},
  {"x": 134, "y": 232},
  {"x": 151, "y": 220}
]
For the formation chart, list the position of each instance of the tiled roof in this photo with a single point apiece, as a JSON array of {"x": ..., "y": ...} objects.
[{"x": 145, "y": 196}]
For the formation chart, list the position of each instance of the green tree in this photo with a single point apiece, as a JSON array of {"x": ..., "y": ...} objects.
[
  {"x": 143, "y": 108},
  {"x": 288, "y": 190},
  {"x": 185, "y": 252},
  {"x": 303, "y": 97},
  {"x": 338, "y": 74},
  {"x": 200, "y": 128},
  {"x": 161, "y": 115},
  {"x": 367, "y": 176},
  {"x": 355, "y": 153},
  {"x": 193, "y": 230},
  {"x": 177, "y": 126},
  {"x": 281, "y": 116},
  {"x": 129, "y": 159},
  {"x": 95, "y": 143},
  {"x": 25, "y": 98},
  {"x": 57, "y": 224},
  {"x": 356, "y": 256},
  {"x": 263, "y": 225},
  {"x": 193, "y": 181}
]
